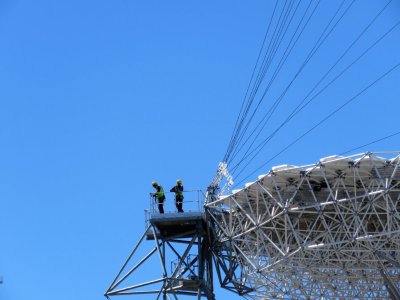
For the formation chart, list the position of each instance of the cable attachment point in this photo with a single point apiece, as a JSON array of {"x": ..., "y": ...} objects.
[{"x": 224, "y": 176}]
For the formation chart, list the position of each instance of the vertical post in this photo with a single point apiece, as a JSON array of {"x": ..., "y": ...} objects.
[
  {"x": 165, "y": 270},
  {"x": 200, "y": 262}
]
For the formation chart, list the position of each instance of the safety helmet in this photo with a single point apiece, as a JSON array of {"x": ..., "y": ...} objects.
[
  {"x": 154, "y": 183},
  {"x": 179, "y": 181}
]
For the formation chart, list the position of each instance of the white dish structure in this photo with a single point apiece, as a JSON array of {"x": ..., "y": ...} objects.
[{"x": 329, "y": 230}]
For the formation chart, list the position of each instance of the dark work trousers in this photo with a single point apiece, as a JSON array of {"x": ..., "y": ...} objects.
[
  {"x": 161, "y": 205},
  {"x": 179, "y": 204}
]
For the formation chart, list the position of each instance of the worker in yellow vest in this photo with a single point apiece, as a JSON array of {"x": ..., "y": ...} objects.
[
  {"x": 178, "y": 190},
  {"x": 159, "y": 195}
]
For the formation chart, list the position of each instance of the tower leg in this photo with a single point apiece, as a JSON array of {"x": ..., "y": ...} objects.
[{"x": 190, "y": 272}]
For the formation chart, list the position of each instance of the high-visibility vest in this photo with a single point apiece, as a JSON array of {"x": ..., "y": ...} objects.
[
  {"x": 160, "y": 192},
  {"x": 178, "y": 190}
]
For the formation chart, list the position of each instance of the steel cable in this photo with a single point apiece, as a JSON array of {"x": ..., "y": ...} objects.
[
  {"x": 371, "y": 143},
  {"x": 268, "y": 55},
  {"x": 251, "y": 80},
  {"x": 322, "y": 38},
  {"x": 268, "y": 58},
  {"x": 323, "y": 120},
  {"x": 300, "y": 107}
]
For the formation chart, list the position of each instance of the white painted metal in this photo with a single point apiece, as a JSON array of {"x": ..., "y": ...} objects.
[
  {"x": 222, "y": 174},
  {"x": 314, "y": 232}
]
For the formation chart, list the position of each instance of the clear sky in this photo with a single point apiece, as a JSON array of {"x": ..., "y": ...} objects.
[{"x": 100, "y": 98}]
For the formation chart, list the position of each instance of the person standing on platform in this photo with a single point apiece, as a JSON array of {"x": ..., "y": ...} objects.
[
  {"x": 159, "y": 195},
  {"x": 178, "y": 190}
]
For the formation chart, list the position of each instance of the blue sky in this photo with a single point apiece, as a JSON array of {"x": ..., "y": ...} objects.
[{"x": 100, "y": 98}]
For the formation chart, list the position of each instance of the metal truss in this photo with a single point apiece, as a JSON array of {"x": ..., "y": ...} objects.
[
  {"x": 182, "y": 248},
  {"x": 330, "y": 230}
]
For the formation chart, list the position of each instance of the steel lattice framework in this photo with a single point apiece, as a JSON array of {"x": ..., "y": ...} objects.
[{"x": 329, "y": 230}]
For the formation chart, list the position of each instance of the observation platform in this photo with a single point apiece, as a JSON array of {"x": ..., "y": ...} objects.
[
  {"x": 177, "y": 225},
  {"x": 173, "y": 224}
]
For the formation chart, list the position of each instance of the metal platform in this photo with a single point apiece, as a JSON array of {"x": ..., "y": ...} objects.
[{"x": 180, "y": 225}]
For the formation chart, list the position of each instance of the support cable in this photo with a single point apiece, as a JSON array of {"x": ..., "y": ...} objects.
[
  {"x": 263, "y": 70},
  {"x": 322, "y": 38},
  {"x": 371, "y": 143},
  {"x": 251, "y": 80},
  {"x": 277, "y": 43},
  {"x": 300, "y": 107},
  {"x": 324, "y": 119},
  {"x": 269, "y": 55},
  {"x": 282, "y": 61},
  {"x": 248, "y": 103},
  {"x": 280, "y": 65}
]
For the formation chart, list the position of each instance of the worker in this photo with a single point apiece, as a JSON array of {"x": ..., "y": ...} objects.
[
  {"x": 178, "y": 190},
  {"x": 159, "y": 195}
]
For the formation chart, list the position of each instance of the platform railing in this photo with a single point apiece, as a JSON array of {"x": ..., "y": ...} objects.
[{"x": 193, "y": 201}]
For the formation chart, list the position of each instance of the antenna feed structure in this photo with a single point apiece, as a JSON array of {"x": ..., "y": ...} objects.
[{"x": 222, "y": 176}]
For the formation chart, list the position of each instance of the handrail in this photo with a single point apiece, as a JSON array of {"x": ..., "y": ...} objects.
[{"x": 193, "y": 202}]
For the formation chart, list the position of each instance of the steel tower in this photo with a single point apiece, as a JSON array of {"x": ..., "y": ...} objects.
[{"x": 181, "y": 242}]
